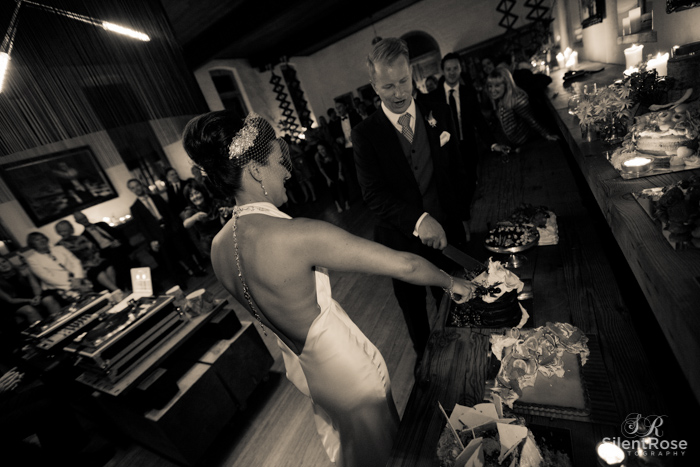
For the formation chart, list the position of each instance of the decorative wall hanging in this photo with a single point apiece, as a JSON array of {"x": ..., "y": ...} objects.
[
  {"x": 592, "y": 12},
  {"x": 508, "y": 20},
  {"x": 289, "y": 123},
  {"x": 297, "y": 95},
  {"x": 53, "y": 59},
  {"x": 679, "y": 5},
  {"x": 56, "y": 185}
]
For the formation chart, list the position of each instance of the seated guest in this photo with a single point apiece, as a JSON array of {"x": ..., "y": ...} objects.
[
  {"x": 511, "y": 105},
  {"x": 21, "y": 295},
  {"x": 331, "y": 168},
  {"x": 98, "y": 269},
  {"x": 55, "y": 266},
  {"x": 204, "y": 214},
  {"x": 113, "y": 246}
]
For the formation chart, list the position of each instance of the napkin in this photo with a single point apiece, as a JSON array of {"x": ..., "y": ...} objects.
[{"x": 549, "y": 234}]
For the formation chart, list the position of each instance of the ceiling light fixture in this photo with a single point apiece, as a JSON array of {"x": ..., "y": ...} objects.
[{"x": 9, "y": 39}]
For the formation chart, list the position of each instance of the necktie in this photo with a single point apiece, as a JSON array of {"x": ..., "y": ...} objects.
[
  {"x": 453, "y": 106},
  {"x": 151, "y": 207},
  {"x": 405, "y": 121}
]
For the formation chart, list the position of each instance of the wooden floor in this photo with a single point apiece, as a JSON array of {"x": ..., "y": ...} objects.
[{"x": 277, "y": 428}]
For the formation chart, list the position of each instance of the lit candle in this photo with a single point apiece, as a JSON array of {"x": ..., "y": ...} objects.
[
  {"x": 659, "y": 63},
  {"x": 636, "y": 165},
  {"x": 572, "y": 61},
  {"x": 561, "y": 60},
  {"x": 610, "y": 453},
  {"x": 633, "y": 55}
]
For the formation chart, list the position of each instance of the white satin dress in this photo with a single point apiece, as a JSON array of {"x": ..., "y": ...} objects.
[{"x": 345, "y": 376}]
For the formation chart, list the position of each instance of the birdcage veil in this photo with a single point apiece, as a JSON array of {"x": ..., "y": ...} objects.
[{"x": 255, "y": 142}]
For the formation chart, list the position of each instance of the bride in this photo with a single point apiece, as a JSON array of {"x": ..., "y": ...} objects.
[{"x": 276, "y": 267}]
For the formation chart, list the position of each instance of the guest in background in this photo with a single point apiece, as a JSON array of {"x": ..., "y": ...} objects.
[
  {"x": 332, "y": 115},
  {"x": 170, "y": 245},
  {"x": 55, "y": 266},
  {"x": 512, "y": 108},
  {"x": 342, "y": 133},
  {"x": 113, "y": 246},
  {"x": 175, "y": 191},
  {"x": 204, "y": 214},
  {"x": 431, "y": 83},
  {"x": 301, "y": 170},
  {"x": 331, "y": 168},
  {"x": 21, "y": 295},
  {"x": 203, "y": 180},
  {"x": 473, "y": 131},
  {"x": 98, "y": 269}
]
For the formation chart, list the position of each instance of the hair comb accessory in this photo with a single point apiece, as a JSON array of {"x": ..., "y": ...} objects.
[{"x": 244, "y": 138}]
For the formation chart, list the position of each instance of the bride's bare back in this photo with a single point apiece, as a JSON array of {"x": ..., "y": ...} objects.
[{"x": 280, "y": 279}]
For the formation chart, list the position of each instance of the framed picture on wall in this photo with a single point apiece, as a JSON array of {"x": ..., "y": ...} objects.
[
  {"x": 679, "y": 5},
  {"x": 592, "y": 12},
  {"x": 56, "y": 185}
]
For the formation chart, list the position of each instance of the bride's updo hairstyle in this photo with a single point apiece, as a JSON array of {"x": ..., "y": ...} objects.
[{"x": 222, "y": 145}]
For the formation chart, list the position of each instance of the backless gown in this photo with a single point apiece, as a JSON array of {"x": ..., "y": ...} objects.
[{"x": 344, "y": 375}]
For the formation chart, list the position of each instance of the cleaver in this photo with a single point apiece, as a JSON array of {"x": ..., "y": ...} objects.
[{"x": 463, "y": 259}]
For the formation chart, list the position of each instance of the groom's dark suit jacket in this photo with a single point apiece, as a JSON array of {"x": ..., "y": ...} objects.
[{"x": 389, "y": 187}]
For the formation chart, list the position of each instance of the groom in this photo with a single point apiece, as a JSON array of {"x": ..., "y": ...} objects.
[{"x": 411, "y": 175}]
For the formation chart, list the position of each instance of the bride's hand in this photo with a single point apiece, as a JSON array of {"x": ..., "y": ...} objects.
[{"x": 463, "y": 290}]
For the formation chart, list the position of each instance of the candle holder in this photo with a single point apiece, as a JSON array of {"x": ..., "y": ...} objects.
[{"x": 637, "y": 165}]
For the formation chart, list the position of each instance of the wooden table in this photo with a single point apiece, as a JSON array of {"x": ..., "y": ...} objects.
[
  {"x": 572, "y": 282},
  {"x": 669, "y": 279}
]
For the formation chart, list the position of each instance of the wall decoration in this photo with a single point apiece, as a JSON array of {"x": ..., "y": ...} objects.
[
  {"x": 679, "y": 5},
  {"x": 288, "y": 124},
  {"x": 508, "y": 20},
  {"x": 297, "y": 95},
  {"x": 56, "y": 185},
  {"x": 592, "y": 12}
]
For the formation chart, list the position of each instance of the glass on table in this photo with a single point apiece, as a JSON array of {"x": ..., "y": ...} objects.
[
  {"x": 574, "y": 101},
  {"x": 590, "y": 89}
]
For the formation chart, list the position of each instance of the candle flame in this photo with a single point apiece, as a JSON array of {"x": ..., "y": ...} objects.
[{"x": 637, "y": 162}]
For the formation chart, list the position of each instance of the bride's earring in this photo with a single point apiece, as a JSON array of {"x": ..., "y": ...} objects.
[{"x": 263, "y": 187}]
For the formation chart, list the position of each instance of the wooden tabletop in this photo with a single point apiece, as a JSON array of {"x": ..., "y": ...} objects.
[
  {"x": 670, "y": 279},
  {"x": 573, "y": 282}
]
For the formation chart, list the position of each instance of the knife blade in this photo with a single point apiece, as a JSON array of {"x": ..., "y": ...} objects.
[{"x": 463, "y": 259}]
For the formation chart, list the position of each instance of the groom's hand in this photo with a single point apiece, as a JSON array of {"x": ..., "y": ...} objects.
[{"x": 431, "y": 233}]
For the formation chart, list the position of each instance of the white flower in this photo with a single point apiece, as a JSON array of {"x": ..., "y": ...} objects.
[{"x": 431, "y": 120}]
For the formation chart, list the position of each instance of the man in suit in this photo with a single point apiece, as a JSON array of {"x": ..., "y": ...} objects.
[
  {"x": 463, "y": 102},
  {"x": 341, "y": 130},
  {"x": 411, "y": 173},
  {"x": 170, "y": 245},
  {"x": 113, "y": 246},
  {"x": 175, "y": 189}
]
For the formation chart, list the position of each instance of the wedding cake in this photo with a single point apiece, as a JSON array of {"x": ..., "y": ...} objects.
[{"x": 495, "y": 303}]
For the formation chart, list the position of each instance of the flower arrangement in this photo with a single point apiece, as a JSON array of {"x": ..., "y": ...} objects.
[{"x": 609, "y": 109}]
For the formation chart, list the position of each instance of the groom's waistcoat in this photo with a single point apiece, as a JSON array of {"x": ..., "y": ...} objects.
[{"x": 421, "y": 162}]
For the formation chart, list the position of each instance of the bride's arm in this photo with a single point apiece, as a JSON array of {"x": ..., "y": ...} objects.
[{"x": 322, "y": 244}]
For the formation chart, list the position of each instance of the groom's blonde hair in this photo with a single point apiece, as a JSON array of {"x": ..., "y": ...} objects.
[{"x": 386, "y": 51}]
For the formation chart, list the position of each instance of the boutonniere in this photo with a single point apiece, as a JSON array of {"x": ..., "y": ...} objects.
[{"x": 431, "y": 120}]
